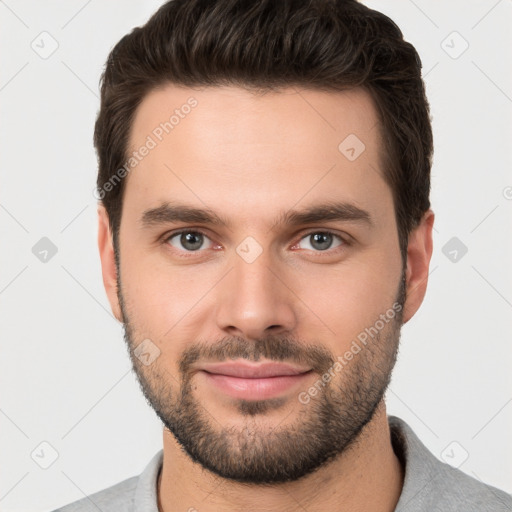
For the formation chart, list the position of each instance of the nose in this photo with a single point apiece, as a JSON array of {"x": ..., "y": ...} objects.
[{"x": 254, "y": 301}]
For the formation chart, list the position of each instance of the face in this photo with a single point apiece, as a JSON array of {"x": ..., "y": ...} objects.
[{"x": 255, "y": 233}]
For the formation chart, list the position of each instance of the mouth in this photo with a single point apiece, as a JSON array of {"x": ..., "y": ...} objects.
[{"x": 250, "y": 381}]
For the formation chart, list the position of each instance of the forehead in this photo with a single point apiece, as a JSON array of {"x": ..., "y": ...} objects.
[
  {"x": 236, "y": 115},
  {"x": 227, "y": 147}
]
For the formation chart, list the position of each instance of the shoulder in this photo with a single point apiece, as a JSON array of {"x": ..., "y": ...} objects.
[
  {"x": 137, "y": 493},
  {"x": 467, "y": 494},
  {"x": 432, "y": 485},
  {"x": 117, "y": 498}
]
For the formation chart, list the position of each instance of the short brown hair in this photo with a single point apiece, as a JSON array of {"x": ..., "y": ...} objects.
[{"x": 266, "y": 44}]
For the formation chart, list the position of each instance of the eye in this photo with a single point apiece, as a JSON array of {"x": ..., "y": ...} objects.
[
  {"x": 190, "y": 241},
  {"x": 319, "y": 241}
]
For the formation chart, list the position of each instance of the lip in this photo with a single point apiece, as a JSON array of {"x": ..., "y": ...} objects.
[
  {"x": 247, "y": 370},
  {"x": 247, "y": 381}
]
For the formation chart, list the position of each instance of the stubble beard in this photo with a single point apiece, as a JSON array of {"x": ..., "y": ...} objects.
[{"x": 259, "y": 453}]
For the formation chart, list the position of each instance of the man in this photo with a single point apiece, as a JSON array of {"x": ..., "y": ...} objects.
[{"x": 264, "y": 231}]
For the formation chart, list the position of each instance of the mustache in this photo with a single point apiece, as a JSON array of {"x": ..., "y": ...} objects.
[{"x": 273, "y": 348}]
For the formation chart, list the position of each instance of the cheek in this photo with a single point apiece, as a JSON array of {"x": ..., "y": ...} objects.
[
  {"x": 161, "y": 298},
  {"x": 342, "y": 301}
]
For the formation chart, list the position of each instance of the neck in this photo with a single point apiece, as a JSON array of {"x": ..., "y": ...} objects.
[{"x": 366, "y": 477}]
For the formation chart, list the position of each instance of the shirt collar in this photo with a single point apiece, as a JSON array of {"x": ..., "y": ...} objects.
[
  {"x": 145, "y": 494},
  {"x": 420, "y": 466}
]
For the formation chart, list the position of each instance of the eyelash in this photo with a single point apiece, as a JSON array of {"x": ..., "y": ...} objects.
[{"x": 187, "y": 254}]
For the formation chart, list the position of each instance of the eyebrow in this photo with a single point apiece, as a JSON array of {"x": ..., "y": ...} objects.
[{"x": 330, "y": 211}]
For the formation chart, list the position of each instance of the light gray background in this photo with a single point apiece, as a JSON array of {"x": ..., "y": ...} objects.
[{"x": 65, "y": 374}]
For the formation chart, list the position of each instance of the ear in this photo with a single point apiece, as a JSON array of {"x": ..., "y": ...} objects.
[
  {"x": 108, "y": 262},
  {"x": 419, "y": 253}
]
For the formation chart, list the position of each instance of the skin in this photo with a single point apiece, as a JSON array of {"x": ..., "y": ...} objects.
[{"x": 249, "y": 158}]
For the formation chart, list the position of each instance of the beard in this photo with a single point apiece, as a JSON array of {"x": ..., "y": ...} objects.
[{"x": 257, "y": 453}]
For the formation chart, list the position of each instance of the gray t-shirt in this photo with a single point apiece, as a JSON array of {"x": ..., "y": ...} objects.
[{"x": 429, "y": 484}]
